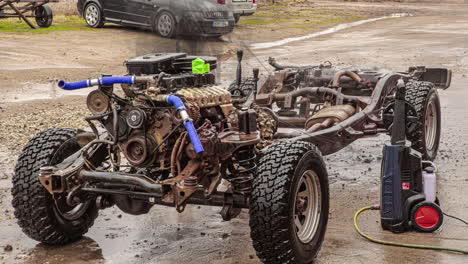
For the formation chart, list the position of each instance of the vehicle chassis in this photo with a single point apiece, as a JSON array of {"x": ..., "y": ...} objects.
[{"x": 224, "y": 139}]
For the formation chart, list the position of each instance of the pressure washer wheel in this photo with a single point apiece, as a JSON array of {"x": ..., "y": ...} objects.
[
  {"x": 426, "y": 217},
  {"x": 42, "y": 217},
  {"x": 43, "y": 16},
  {"x": 289, "y": 203},
  {"x": 425, "y": 136}
]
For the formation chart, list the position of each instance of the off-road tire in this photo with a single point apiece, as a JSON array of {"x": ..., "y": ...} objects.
[
  {"x": 420, "y": 95},
  {"x": 244, "y": 90},
  {"x": 34, "y": 207},
  {"x": 272, "y": 203}
]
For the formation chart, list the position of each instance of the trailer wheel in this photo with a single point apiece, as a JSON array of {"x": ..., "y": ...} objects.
[
  {"x": 289, "y": 203},
  {"x": 43, "y": 15},
  {"x": 425, "y": 136},
  {"x": 40, "y": 216}
]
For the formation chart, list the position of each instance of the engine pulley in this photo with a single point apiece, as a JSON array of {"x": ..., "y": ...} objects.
[
  {"x": 135, "y": 118},
  {"x": 98, "y": 102},
  {"x": 139, "y": 150}
]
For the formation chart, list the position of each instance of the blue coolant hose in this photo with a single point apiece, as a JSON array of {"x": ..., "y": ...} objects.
[
  {"x": 99, "y": 81},
  {"x": 172, "y": 99},
  {"x": 179, "y": 105}
]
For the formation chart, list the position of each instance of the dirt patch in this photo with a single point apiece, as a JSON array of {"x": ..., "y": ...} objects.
[{"x": 285, "y": 19}]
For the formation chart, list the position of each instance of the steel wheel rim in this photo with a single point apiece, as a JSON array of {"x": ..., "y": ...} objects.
[
  {"x": 307, "y": 210},
  {"x": 75, "y": 212},
  {"x": 165, "y": 25},
  {"x": 430, "y": 125},
  {"x": 92, "y": 15}
]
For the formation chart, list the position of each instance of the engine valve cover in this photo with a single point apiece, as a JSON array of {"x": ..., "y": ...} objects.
[{"x": 207, "y": 96}]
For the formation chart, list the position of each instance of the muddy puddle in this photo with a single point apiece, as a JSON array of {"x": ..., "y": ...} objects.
[
  {"x": 337, "y": 28},
  {"x": 28, "y": 91}
]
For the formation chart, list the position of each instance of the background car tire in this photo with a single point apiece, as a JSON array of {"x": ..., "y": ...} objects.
[
  {"x": 237, "y": 18},
  {"x": 43, "y": 16},
  {"x": 37, "y": 212},
  {"x": 165, "y": 25},
  {"x": 274, "y": 203},
  {"x": 425, "y": 137},
  {"x": 93, "y": 15}
]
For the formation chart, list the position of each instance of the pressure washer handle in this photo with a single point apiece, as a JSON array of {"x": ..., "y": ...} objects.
[{"x": 398, "y": 133}]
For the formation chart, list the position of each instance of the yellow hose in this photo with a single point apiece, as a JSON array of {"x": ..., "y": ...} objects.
[{"x": 396, "y": 244}]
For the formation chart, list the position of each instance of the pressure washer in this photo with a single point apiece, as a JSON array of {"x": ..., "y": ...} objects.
[
  {"x": 408, "y": 194},
  {"x": 408, "y": 183}
]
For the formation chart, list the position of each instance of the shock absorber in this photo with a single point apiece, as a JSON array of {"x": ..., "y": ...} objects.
[{"x": 243, "y": 169}]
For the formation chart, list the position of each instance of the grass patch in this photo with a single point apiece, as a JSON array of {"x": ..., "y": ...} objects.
[
  {"x": 253, "y": 22},
  {"x": 60, "y": 23}
]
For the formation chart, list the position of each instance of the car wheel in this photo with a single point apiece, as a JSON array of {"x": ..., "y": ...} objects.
[
  {"x": 93, "y": 16},
  {"x": 236, "y": 18},
  {"x": 426, "y": 136},
  {"x": 42, "y": 217},
  {"x": 289, "y": 203},
  {"x": 165, "y": 25}
]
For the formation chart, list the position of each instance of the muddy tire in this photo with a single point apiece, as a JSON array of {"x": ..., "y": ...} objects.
[
  {"x": 244, "y": 90},
  {"x": 38, "y": 214},
  {"x": 426, "y": 135},
  {"x": 289, "y": 203}
]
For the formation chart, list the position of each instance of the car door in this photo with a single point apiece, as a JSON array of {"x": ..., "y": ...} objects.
[
  {"x": 141, "y": 12},
  {"x": 114, "y": 10}
]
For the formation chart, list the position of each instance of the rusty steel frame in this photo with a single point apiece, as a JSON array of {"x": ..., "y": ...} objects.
[
  {"x": 363, "y": 123},
  {"x": 30, "y": 6}
]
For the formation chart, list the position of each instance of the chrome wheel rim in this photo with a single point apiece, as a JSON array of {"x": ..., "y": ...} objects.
[
  {"x": 165, "y": 25},
  {"x": 430, "y": 125},
  {"x": 92, "y": 15},
  {"x": 307, "y": 210}
]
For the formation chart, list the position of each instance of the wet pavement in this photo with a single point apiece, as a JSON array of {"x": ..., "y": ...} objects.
[{"x": 199, "y": 235}]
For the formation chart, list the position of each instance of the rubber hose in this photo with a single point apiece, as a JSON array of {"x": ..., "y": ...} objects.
[
  {"x": 192, "y": 132},
  {"x": 99, "y": 81},
  {"x": 397, "y": 244}
]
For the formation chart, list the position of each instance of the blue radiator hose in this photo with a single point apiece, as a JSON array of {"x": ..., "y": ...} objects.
[
  {"x": 99, "y": 81},
  {"x": 179, "y": 105}
]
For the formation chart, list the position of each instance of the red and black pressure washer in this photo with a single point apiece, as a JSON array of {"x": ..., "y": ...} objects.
[{"x": 408, "y": 194}]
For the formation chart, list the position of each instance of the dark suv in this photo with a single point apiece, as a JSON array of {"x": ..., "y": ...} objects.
[{"x": 167, "y": 17}]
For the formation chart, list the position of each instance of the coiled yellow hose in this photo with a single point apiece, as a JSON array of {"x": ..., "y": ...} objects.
[{"x": 396, "y": 244}]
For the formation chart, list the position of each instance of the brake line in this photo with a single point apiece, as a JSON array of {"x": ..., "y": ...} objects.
[{"x": 397, "y": 244}]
